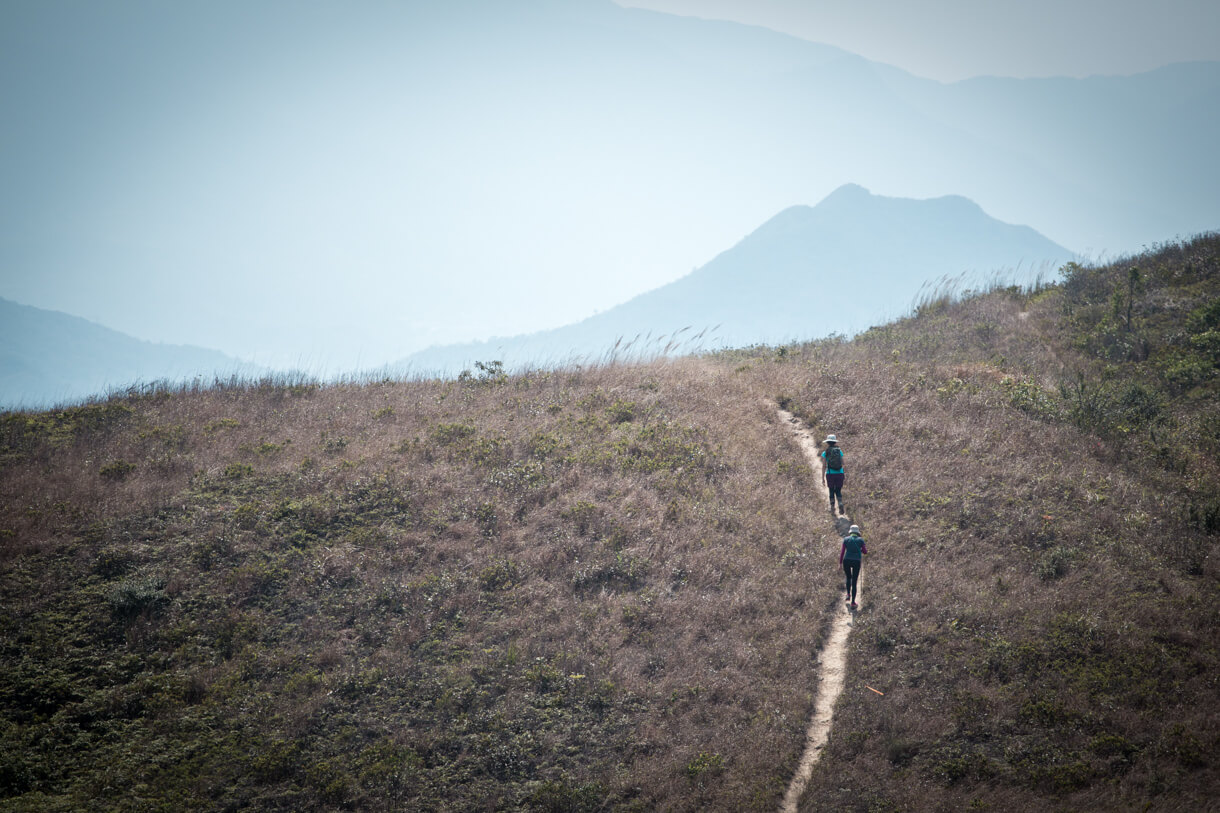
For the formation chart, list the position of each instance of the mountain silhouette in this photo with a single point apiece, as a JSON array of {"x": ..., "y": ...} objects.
[
  {"x": 852, "y": 261},
  {"x": 366, "y": 167},
  {"x": 47, "y": 358}
]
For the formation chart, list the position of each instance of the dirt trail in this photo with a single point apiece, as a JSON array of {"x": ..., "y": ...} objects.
[{"x": 833, "y": 658}]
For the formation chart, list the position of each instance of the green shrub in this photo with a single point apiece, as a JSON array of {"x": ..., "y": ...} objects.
[
  {"x": 331, "y": 779},
  {"x": 519, "y": 478},
  {"x": 451, "y": 434},
  {"x": 116, "y": 470},
  {"x": 544, "y": 677},
  {"x": 1182, "y": 372},
  {"x": 25, "y": 432},
  {"x": 1109, "y": 745},
  {"x": 246, "y": 515},
  {"x": 491, "y": 452},
  {"x": 1203, "y": 512},
  {"x": 491, "y": 373},
  {"x": 704, "y": 766},
  {"x": 1063, "y": 778},
  {"x": 621, "y": 412},
  {"x": 561, "y": 796},
  {"x": 238, "y": 471},
  {"x": 269, "y": 449},
  {"x": 1026, "y": 395},
  {"x": 623, "y": 573},
  {"x": 332, "y": 444},
  {"x": 487, "y": 517},
  {"x": 220, "y": 425},
  {"x": 1183, "y": 745},
  {"x": 136, "y": 596},
  {"x": 956, "y": 762},
  {"x": 1053, "y": 563},
  {"x": 171, "y": 437},
  {"x": 113, "y": 562},
  {"x": 901, "y": 752},
  {"x": 665, "y": 446},
  {"x": 543, "y": 445},
  {"x": 276, "y": 760},
  {"x": 500, "y": 575}
]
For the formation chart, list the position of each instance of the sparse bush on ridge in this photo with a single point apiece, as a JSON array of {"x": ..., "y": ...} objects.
[{"x": 605, "y": 588}]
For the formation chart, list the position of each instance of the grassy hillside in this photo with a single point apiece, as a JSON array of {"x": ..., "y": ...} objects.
[
  {"x": 544, "y": 591},
  {"x": 604, "y": 589},
  {"x": 1038, "y": 483}
]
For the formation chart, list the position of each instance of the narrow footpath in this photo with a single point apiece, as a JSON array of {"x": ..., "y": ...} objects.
[{"x": 832, "y": 661}]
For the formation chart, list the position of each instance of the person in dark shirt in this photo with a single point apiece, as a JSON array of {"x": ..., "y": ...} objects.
[{"x": 851, "y": 555}]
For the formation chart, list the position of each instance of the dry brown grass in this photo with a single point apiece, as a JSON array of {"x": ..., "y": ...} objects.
[
  {"x": 622, "y": 559},
  {"x": 1033, "y": 619},
  {"x": 605, "y": 588}
]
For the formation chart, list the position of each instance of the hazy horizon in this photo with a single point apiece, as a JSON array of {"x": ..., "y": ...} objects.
[
  {"x": 953, "y": 40},
  {"x": 331, "y": 186}
]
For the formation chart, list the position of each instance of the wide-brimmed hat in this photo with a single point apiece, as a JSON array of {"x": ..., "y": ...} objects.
[
  {"x": 831, "y": 439},
  {"x": 855, "y": 529}
]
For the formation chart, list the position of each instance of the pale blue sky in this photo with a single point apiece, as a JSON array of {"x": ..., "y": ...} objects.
[
  {"x": 951, "y": 40},
  {"x": 331, "y": 184}
]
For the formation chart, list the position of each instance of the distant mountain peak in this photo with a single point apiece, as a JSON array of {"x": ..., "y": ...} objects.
[
  {"x": 49, "y": 357},
  {"x": 852, "y": 261},
  {"x": 852, "y": 197},
  {"x": 853, "y": 210},
  {"x": 848, "y": 192}
]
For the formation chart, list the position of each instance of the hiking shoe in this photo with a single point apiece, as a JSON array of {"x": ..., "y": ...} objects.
[{"x": 853, "y": 605}]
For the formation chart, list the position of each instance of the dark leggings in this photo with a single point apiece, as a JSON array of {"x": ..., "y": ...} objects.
[
  {"x": 834, "y": 484},
  {"x": 851, "y": 569}
]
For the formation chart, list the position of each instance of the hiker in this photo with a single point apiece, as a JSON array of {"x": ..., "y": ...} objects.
[
  {"x": 832, "y": 472},
  {"x": 851, "y": 555}
]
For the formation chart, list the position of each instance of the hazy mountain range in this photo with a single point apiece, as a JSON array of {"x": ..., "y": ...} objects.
[
  {"x": 350, "y": 183},
  {"x": 850, "y": 262},
  {"x": 854, "y": 260},
  {"x": 48, "y": 358}
]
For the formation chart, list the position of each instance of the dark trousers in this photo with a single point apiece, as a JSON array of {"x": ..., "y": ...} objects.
[
  {"x": 834, "y": 482},
  {"x": 851, "y": 569}
]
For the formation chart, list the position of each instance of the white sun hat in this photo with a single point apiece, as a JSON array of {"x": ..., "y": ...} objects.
[{"x": 831, "y": 439}]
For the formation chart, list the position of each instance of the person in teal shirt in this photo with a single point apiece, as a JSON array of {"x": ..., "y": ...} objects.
[
  {"x": 833, "y": 474},
  {"x": 851, "y": 556}
]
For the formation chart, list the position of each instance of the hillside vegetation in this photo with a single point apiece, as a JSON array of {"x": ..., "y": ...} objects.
[
  {"x": 538, "y": 591},
  {"x": 605, "y": 588},
  {"x": 1037, "y": 476}
]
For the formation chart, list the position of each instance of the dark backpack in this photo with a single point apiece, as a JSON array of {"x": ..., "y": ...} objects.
[{"x": 834, "y": 458}]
